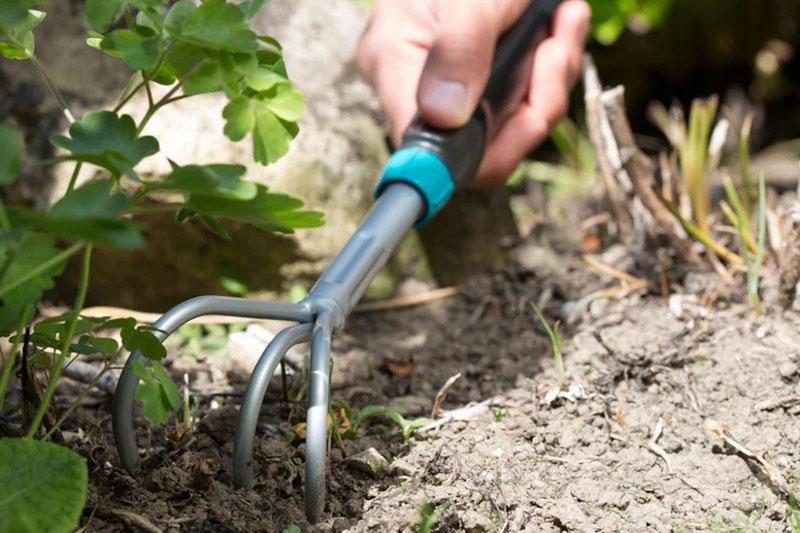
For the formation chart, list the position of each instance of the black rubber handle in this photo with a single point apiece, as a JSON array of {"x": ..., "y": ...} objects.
[{"x": 462, "y": 149}]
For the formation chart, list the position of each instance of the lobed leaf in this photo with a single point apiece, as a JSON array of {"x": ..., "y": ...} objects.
[
  {"x": 89, "y": 213},
  {"x": 18, "y": 41},
  {"x": 215, "y": 25},
  {"x": 107, "y": 140},
  {"x": 157, "y": 392},
  {"x": 275, "y": 212},
  {"x": 18, "y": 259}
]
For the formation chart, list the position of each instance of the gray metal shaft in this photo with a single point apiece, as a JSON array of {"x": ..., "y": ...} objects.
[{"x": 352, "y": 270}]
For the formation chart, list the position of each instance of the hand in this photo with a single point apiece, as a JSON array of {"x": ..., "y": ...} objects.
[{"x": 434, "y": 56}]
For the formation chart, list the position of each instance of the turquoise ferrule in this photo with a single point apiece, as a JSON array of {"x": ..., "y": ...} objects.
[{"x": 423, "y": 170}]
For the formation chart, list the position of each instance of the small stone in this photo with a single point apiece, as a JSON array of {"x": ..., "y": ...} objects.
[
  {"x": 370, "y": 461},
  {"x": 788, "y": 369}
]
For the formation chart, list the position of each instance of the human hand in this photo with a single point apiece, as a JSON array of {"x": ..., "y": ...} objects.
[{"x": 434, "y": 57}]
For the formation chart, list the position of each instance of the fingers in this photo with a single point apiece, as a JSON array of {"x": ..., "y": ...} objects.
[
  {"x": 460, "y": 58},
  {"x": 391, "y": 53},
  {"x": 556, "y": 67}
]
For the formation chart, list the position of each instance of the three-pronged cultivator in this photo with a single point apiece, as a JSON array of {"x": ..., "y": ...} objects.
[{"x": 417, "y": 181}]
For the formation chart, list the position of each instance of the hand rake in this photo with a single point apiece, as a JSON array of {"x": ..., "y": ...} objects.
[{"x": 417, "y": 182}]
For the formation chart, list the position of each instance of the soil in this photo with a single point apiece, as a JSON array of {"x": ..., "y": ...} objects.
[{"x": 627, "y": 440}]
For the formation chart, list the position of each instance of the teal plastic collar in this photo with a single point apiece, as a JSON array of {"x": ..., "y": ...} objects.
[{"x": 422, "y": 170}]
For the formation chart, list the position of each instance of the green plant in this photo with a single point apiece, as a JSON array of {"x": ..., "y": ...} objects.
[
  {"x": 573, "y": 173},
  {"x": 555, "y": 340},
  {"x": 350, "y": 423},
  {"x": 186, "y": 49},
  {"x": 611, "y": 17},
  {"x": 44, "y": 486},
  {"x": 429, "y": 516}
]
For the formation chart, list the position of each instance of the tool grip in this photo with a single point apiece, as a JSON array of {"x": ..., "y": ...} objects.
[
  {"x": 462, "y": 149},
  {"x": 436, "y": 161}
]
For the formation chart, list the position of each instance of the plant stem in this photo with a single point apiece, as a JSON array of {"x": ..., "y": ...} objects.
[
  {"x": 74, "y": 178},
  {"x": 42, "y": 267},
  {"x": 52, "y": 88},
  {"x": 65, "y": 347},
  {"x": 8, "y": 364},
  {"x": 126, "y": 97},
  {"x": 156, "y": 208},
  {"x": 4, "y": 222},
  {"x": 74, "y": 405}
]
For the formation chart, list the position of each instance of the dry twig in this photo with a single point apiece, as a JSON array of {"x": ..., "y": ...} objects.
[
  {"x": 772, "y": 472},
  {"x": 442, "y": 394}
]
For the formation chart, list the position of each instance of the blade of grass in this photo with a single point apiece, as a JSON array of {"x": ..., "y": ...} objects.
[
  {"x": 741, "y": 219},
  {"x": 555, "y": 340},
  {"x": 701, "y": 236},
  {"x": 754, "y": 268}
]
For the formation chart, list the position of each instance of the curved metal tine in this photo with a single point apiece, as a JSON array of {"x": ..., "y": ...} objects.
[
  {"x": 124, "y": 395},
  {"x": 254, "y": 397},
  {"x": 317, "y": 416}
]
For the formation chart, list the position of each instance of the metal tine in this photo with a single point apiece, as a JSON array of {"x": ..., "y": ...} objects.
[
  {"x": 125, "y": 394},
  {"x": 317, "y": 415},
  {"x": 254, "y": 397}
]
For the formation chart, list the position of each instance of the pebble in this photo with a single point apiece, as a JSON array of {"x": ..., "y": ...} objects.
[
  {"x": 788, "y": 369},
  {"x": 370, "y": 461}
]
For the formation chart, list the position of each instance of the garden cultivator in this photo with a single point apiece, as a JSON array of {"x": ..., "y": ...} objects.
[{"x": 417, "y": 181}]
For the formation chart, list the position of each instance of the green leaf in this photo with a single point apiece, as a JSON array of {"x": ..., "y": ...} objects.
[
  {"x": 139, "y": 48},
  {"x": 19, "y": 41},
  {"x": 275, "y": 212},
  {"x": 216, "y": 25},
  {"x": 231, "y": 278},
  {"x": 240, "y": 118},
  {"x": 103, "y": 345},
  {"x": 285, "y": 102},
  {"x": 251, "y": 7},
  {"x": 168, "y": 387},
  {"x": 208, "y": 78},
  {"x": 88, "y": 213},
  {"x": 29, "y": 252},
  {"x": 216, "y": 180},
  {"x": 107, "y": 140},
  {"x": 263, "y": 79},
  {"x": 44, "y": 486},
  {"x": 103, "y": 13},
  {"x": 144, "y": 342},
  {"x": 271, "y": 135},
  {"x": 10, "y": 152},
  {"x": 216, "y": 226},
  {"x": 157, "y": 392},
  {"x": 91, "y": 200},
  {"x": 13, "y": 12}
]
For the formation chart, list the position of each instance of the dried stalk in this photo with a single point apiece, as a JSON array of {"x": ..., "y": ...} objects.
[{"x": 641, "y": 170}]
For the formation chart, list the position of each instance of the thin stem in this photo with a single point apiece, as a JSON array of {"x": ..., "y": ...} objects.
[
  {"x": 150, "y": 100},
  {"x": 42, "y": 267},
  {"x": 126, "y": 97},
  {"x": 67, "y": 341},
  {"x": 74, "y": 178},
  {"x": 8, "y": 364},
  {"x": 52, "y": 88},
  {"x": 74, "y": 405},
  {"x": 4, "y": 222}
]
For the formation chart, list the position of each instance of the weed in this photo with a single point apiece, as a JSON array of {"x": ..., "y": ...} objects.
[
  {"x": 429, "y": 516},
  {"x": 555, "y": 340}
]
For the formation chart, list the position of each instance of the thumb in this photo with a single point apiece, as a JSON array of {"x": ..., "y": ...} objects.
[{"x": 460, "y": 58}]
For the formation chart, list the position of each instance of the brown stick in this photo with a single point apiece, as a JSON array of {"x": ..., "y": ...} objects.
[
  {"x": 642, "y": 172},
  {"x": 597, "y": 124}
]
